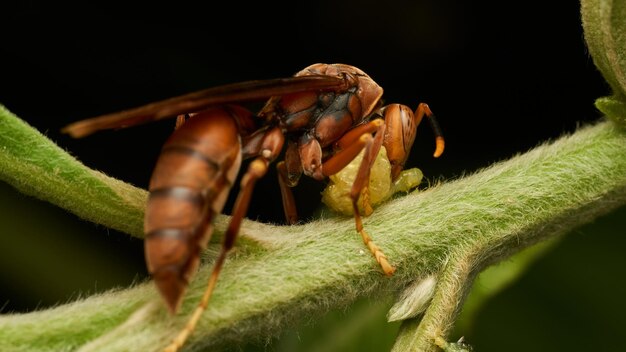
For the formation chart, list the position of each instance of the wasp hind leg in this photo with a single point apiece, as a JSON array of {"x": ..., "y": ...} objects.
[{"x": 257, "y": 169}]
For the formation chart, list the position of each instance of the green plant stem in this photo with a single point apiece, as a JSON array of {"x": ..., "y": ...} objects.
[
  {"x": 452, "y": 230},
  {"x": 33, "y": 164}
]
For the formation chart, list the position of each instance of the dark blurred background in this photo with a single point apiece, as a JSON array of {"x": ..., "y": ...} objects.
[{"x": 502, "y": 77}]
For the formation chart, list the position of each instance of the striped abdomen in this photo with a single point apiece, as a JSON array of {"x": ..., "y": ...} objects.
[{"x": 189, "y": 186}]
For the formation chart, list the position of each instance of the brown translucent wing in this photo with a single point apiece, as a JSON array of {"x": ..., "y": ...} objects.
[{"x": 197, "y": 101}]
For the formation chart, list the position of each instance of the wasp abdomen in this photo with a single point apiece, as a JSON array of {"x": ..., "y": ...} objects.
[{"x": 190, "y": 184}]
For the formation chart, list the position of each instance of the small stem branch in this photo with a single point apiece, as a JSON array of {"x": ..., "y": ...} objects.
[{"x": 420, "y": 334}]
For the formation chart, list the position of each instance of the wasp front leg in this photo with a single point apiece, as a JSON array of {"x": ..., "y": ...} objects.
[{"x": 354, "y": 142}]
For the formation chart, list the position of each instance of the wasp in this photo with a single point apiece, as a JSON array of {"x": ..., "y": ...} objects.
[{"x": 322, "y": 118}]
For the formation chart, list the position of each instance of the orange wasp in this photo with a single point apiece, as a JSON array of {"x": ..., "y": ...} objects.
[{"x": 326, "y": 115}]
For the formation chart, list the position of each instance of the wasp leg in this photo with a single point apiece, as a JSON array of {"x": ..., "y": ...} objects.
[
  {"x": 361, "y": 182},
  {"x": 359, "y": 187},
  {"x": 289, "y": 172},
  {"x": 342, "y": 158},
  {"x": 349, "y": 146},
  {"x": 256, "y": 170},
  {"x": 289, "y": 203},
  {"x": 354, "y": 134}
]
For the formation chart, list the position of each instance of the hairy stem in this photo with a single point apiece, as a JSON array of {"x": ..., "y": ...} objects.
[
  {"x": 33, "y": 164},
  {"x": 450, "y": 231}
]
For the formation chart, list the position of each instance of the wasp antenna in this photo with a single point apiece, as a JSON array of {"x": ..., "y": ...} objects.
[
  {"x": 439, "y": 140},
  {"x": 434, "y": 125}
]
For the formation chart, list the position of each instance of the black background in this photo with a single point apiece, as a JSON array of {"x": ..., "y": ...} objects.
[{"x": 502, "y": 77}]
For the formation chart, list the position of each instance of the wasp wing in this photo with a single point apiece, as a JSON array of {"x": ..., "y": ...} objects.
[{"x": 197, "y": 101}]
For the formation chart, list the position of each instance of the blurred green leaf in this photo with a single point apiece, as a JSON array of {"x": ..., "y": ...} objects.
[
  {"x": 604, "y": 23},
  {"x": 36, "y": 166}
]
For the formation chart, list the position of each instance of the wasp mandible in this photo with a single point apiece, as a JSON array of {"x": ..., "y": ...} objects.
[{"x": 323, "y": 117}]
